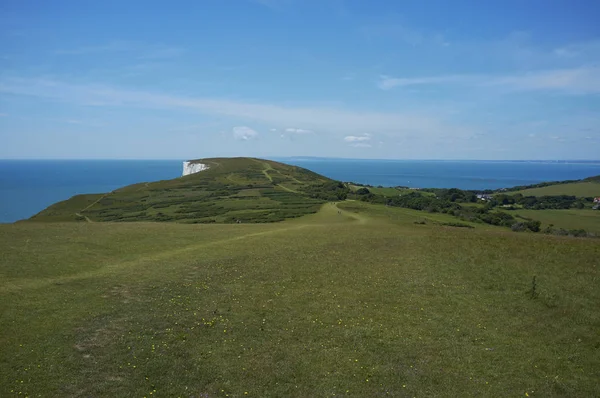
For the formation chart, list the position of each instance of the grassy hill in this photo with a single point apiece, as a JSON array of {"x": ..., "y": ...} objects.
[
  {"x": 354, "y": 300},
  {"x": 579, "y": 189},
  {"x": 568, "y": 219},
  {"x": 231, "y": 190}
]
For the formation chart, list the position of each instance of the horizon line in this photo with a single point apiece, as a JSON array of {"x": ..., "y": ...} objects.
[{"x": 303, "y": 157}]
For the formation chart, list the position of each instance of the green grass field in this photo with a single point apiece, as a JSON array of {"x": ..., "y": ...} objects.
[
  {"x": 355, "y": 300},
  {"x": 580, "y": 189},
  {"x": 588, "y": 220}
]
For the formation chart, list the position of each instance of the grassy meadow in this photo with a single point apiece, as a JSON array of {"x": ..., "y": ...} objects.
[
  {"x": 354, "y": 300},
  {"x": 567, "y": 219},
  {"x": 579, "y": 189}
]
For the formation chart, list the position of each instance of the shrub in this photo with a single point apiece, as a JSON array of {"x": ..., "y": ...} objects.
[
  {"x": 533, "y": 225},
  {"x": 518, "y": 227}
]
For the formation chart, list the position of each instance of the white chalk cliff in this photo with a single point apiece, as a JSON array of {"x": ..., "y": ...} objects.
[{"x": 191, "y": 168}]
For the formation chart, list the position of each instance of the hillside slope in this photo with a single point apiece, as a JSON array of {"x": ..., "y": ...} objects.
[
  {"x": 579, "y": 189},
  {"x": 231, "y": 190},
  {"x": 355, "y": 300}
]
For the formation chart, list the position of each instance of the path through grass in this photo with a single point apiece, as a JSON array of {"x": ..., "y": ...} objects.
[{"x": 347, "y": 302}]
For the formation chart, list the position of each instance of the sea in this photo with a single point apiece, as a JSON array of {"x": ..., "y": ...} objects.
[{"x": 29, "y": 186}]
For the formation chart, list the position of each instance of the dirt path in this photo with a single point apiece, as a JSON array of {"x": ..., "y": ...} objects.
[
  {"x": 78, "y": 214},
  {"x": 287, "y": 189},
  {"x": 114, "y": 267},
  {"x": 361, "y": 219},
  {"x": 86, "y": 217},
  {"x": 265, "y": 171}
]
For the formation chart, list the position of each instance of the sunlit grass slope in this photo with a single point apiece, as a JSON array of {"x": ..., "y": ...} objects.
[
  {"x": 568, "y": 219},
  {"x": 355, "y": 302},
  {"x": 580, "y": 189}
]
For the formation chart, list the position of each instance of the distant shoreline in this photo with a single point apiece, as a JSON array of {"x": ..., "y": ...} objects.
[{"x": 308, "y": 158}]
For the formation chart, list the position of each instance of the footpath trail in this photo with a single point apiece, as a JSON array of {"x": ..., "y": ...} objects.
[
  {"x": 359, "y": 218},
  {"x": 265, "y": 171},
  {"x": 329, "y": 215},
  {"x": 126, "y": 267},
  {"x": 79, "y": 214},
  {"x": 86, "y": 217}
]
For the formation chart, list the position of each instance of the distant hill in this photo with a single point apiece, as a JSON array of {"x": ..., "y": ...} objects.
[
  {"x": 230, "y": 190},
  {"x": 581, "y": 188}
]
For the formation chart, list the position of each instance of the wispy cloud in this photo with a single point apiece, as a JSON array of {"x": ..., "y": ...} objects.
[
  {"x": 355, "y": 138},
  {"x": 161, "y": 52},
  {"x": 394, "y": 28},
  {"x": 585, "y": 80},
  {"x": 590, "y": 50},
  {"x": 387, "y": 82},
  {"x": 244, "y": 133},
  {"x": 579, "y": 80},
  {"x": 327, "y": 119},
  {"x": 3, "y": 114},
  {"x": 113, "y": 46},
  {"x": 359, "y": 141},
  {"x": 298, "y": 131},
  {"x": 135, "y": 49}
]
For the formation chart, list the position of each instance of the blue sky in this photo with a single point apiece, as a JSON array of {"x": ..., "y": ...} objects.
[{"x": 341, "y": 78}]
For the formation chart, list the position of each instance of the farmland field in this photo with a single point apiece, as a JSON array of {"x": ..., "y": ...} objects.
[
  {"x": 580, "y": 189},
  {"x": 588, "y": 220}
]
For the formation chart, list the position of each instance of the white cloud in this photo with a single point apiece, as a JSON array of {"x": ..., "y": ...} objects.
[
  {"x": 387, "y": 82},
  {"x": 355, "y": 138},
  {"x": 273, "y": 130},
  {"x": 361, "y": 145},
  {"x": 590, "y": 50},
  {"x": 565, "y": 52},
  {"x": 3, "y": 114},
  {"x": 585, "y": 80},
  {"x": 244, "y": 133},
  {"x": 580, "y": 80},
  {"x": 322, "y": 118},
  {"x": 297, "y": 131}
]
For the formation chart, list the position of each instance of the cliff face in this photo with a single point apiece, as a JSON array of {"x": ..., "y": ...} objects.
[{"x": 191, "y": 168}]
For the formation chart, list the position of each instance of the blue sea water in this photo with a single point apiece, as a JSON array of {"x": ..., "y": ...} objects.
[
  {"x": 29, "y": 186},
  {"x": 464, "y": 174}
]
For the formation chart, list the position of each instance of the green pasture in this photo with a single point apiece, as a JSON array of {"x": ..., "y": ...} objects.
[
  {"x": 586, "y": 219},
  {"x": 580, "y": 189},
  {"x": 354, "y": 300}
]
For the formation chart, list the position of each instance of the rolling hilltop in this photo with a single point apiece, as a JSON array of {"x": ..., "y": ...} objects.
[{"x": 230, "y": 190}]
